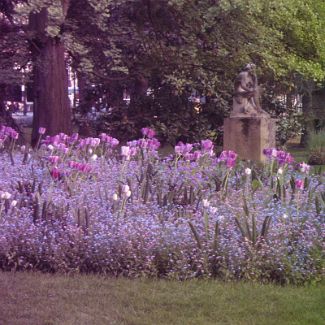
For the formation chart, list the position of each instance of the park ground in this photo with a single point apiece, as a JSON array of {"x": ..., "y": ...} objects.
[{"x": 43, "y": 299}]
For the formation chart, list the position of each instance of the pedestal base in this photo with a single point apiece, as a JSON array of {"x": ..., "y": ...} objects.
[{"x": 248, "y": 136}]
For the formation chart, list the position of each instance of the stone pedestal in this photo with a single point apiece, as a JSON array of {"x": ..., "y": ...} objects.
[{"x": 248, "y": 136}]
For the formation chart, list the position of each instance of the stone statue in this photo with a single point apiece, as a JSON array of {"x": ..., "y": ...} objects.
[{"x": 246, "y": 100}]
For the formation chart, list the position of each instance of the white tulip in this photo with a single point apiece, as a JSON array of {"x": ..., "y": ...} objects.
[
  {"x": 213, "y": 209},
  {"x": 6, "y": 195},
  {"x": 274, "y": 152},
  {"x": 248, "y": 171},
  {"x": 125, "y": 151},
  {"x": 206, "y": 203},
  {"x": 94, "y": 157}
]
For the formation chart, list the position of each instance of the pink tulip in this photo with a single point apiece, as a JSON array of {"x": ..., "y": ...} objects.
[
  {"x": 150, "y": 133},
  {"x": 55, "y": 173},
  {"x": 41, "y": 130},
  {"x": 299, "y": 184},
  {"x": 53, "y": 159}
]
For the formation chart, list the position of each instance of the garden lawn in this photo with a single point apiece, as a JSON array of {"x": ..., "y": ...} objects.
[
  {"x": 299, "y": 153},
  {"x": 33, "y": 298}
]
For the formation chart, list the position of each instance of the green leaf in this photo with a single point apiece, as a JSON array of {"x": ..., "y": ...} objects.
[
  {"x": 245, "y": 207},
  {"x": 240, "y": 227},
  {"x": 293, "y": 184},
  {"x": 206, "y": 225},
  {"x": 265, "y": 226},
  {"x": 216, "y": 236},
  {"x": 254, "y": 230},
  {"x": 255, "y": 185},
  {"x": 317, "y": 205},
  {"x": 196, "y": 235}
]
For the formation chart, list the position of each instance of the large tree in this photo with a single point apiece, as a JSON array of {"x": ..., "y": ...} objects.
[
  {"x": 33, "y": 35},
  {"x": 50, "y": 78}
]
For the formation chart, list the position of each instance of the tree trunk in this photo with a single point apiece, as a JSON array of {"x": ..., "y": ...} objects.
[
  {"x": 138, "y": 99},
  {"x": 51, "y": 102},
  {"x": 2, "y": 99},
  {"x": 115, "y": 97},
  {"x": 308, "y": 114},
  {"x": 139, "y": 90}
]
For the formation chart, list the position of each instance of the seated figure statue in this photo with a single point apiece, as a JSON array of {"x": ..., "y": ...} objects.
[{"x": 246, "y": 100}]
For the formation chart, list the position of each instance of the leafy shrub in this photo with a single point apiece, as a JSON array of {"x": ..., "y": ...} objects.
[
  {"x": 174, "y": 116},
  {"x": 289, "y": 122}
]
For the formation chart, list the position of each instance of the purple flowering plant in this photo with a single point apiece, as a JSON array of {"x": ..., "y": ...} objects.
[{"x": 90, "y": 205}]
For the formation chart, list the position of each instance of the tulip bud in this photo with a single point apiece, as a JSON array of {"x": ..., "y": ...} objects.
[
  {"x": 6, "y": 195},
  {"x": 248, "y": 171},
  {"x": 125, "y": 151},
  {"x": 94, "y": 157},
  {"x": 206, "y": 203},
  {"x": 213, "y": 210},
  {"x": 299, "y": 184},
  {"x": 41, "y": 130}
]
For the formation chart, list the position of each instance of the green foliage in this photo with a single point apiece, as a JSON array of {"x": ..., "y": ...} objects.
[
  {"x": 289, "y": 123},
  {"x": 175, "y": 47},
  {"x": 248, "y": 227},
  {"x": 181, "y": 46}
]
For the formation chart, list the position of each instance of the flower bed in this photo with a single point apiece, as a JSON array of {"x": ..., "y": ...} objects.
[{"x": 88, "y": 205}]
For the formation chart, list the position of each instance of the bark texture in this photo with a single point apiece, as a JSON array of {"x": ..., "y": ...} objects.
[
  {"x": 308, "y": 114},
  {"x": 51, "y": 103}
]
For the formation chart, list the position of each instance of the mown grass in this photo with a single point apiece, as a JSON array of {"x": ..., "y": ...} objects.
[
  {"x": 38, "y": 299},
  {"x": 299, "y": 153}
]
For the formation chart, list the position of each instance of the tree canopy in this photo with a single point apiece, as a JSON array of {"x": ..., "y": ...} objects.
[{"x": 174, "y": 47}]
